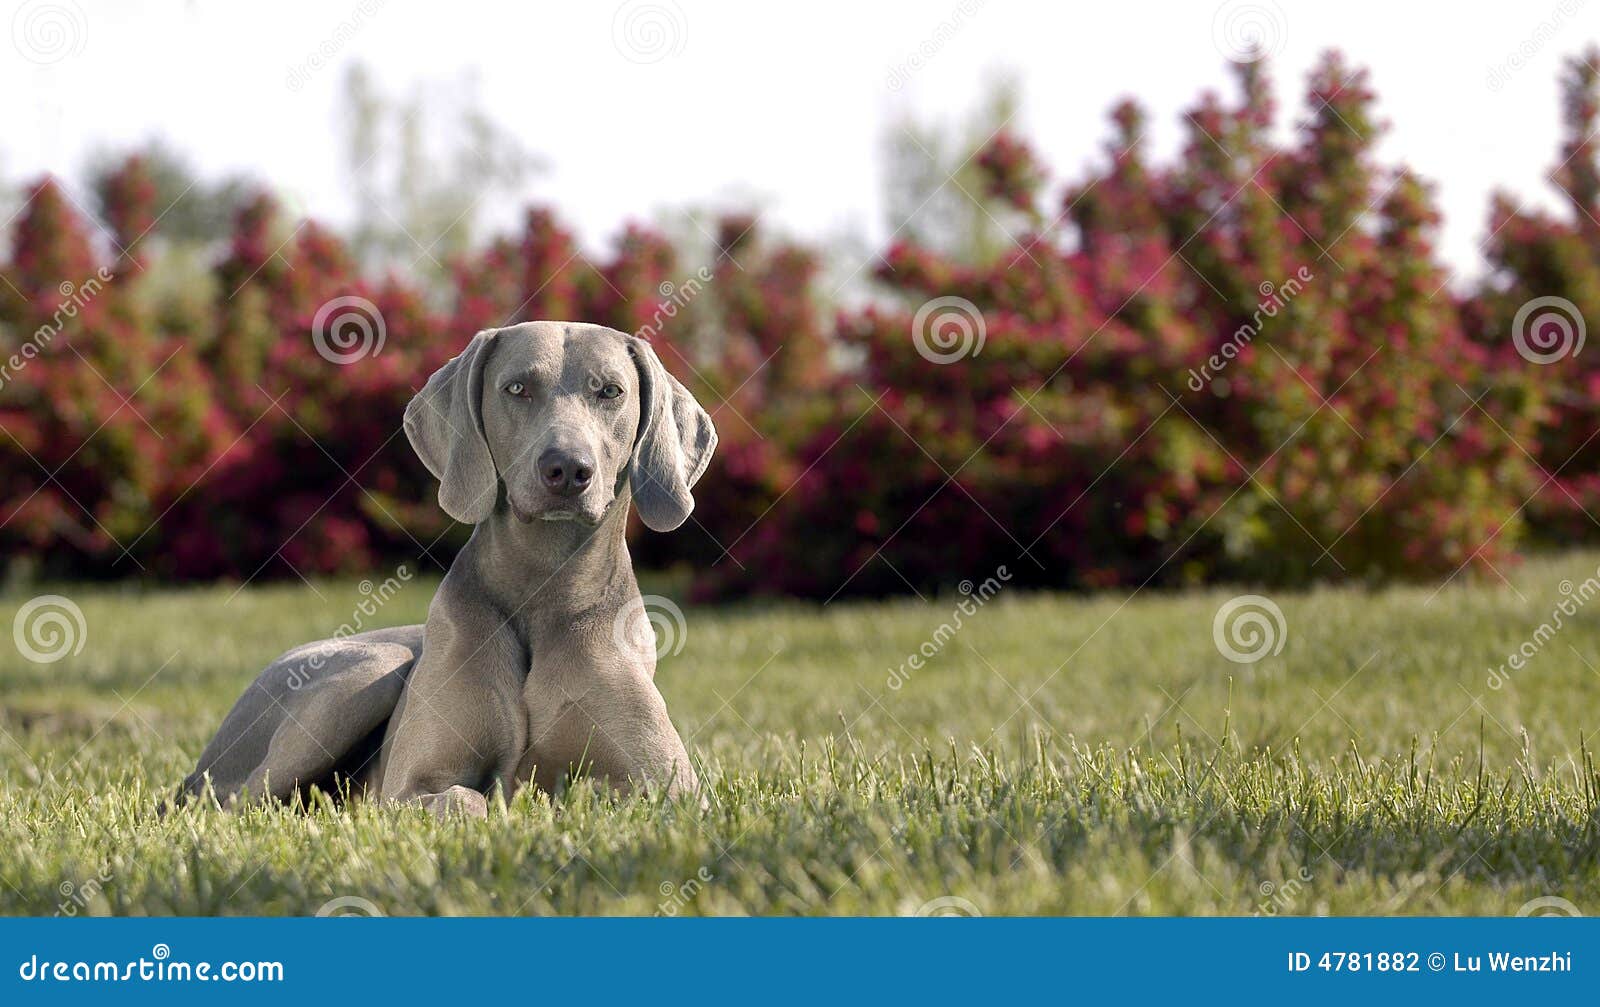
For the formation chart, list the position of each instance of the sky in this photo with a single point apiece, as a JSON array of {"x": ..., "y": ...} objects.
[{"x": 641, "y": 108}]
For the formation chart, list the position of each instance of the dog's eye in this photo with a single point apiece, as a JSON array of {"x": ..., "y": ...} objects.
[
  {"x": 611, "y": 390},
  {"x": 516, "y": 388}
]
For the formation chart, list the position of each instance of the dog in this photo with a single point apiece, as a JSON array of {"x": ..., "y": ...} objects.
[{"x": 542, "y": 436}]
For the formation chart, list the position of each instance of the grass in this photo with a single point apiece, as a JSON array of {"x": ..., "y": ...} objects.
[{"x": 1059, "y": 754}]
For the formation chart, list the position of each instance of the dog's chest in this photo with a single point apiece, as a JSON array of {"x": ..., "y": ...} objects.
[{"x": 564, "y": 700}]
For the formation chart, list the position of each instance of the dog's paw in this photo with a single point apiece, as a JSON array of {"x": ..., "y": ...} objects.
[{"x": 458, "y": 800}]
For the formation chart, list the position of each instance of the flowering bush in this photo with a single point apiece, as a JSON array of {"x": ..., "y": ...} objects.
[
  {"x": 1248, "y": 363},
  {"x": 1233, "y": 366},
  {"x": 1530, "y": 315}
]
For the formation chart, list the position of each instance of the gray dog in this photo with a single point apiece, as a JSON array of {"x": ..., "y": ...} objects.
[{"x": 532, "y": 662}]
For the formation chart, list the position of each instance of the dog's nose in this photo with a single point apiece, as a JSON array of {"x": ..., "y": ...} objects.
[{"x": 565, "y": 473}]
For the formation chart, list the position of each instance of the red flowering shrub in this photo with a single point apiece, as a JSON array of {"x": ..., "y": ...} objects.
[
  {"x": 1231, "y": 366},
  {"x": 100, "y": 409},
  {"x": 1247, "y": 363},
  {"x": 1532, "y": 313}
]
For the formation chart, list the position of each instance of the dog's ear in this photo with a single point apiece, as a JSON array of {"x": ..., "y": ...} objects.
[
  {"x": 674, "y": 445},
  {"x": 444, "y": 423}
]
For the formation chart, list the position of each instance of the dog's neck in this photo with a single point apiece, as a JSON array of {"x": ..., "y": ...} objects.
[{"x": 554, "y": 569}]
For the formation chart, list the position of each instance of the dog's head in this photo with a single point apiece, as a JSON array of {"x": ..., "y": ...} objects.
[{"x": 563, "y": 416}]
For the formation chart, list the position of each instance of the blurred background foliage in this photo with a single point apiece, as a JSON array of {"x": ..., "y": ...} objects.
[{"x": 165, "y": 414}]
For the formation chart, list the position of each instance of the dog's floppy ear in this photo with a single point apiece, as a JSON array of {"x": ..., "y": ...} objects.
[
  {"x": 674, "y": 446},
  {"x": 444, "y": 423}
]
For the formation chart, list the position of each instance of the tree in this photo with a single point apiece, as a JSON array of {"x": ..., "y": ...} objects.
[{"x": 420, "y": 172}]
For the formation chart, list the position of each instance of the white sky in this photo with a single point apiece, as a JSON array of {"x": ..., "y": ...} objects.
[{"x": 790, "y": 105}]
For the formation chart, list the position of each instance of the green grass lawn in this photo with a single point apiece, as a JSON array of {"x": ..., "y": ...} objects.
[{"x": 1059, "y": 754}]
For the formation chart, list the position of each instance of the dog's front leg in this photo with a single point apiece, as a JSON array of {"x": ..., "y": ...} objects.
[
  {"x": 631, "y": 740},
  {"x": 459, "y": 716}
]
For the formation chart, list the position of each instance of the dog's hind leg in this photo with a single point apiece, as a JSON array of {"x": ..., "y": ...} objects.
[
  {"x": 322, "y": 724},
  {"x": 306, "y": 718}
]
